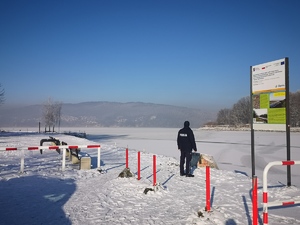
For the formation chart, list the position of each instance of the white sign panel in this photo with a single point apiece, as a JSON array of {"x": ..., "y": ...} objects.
[
  {"x": 269, "y": 95},
  {"x": 268, "y": 77}
]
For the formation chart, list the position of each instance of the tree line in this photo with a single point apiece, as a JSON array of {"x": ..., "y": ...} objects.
[{"x": 239, "y": 113}]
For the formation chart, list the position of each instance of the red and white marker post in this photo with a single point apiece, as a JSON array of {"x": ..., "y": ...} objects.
[
  {"x": 154, "y": 170},
  {"x": 207, "y": 208},
  {"x": 127, "y": 163},
  {"x": 139, "y": 165},
  {"x": 254, "y": 201}
]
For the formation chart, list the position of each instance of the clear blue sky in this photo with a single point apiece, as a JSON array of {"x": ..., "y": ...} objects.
[{"x": 186, "y": 53}]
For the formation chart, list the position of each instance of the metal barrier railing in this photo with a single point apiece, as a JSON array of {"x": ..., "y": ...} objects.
[
  {"x": 265, "y": 189},
  {"x": 56, "y": 147}
]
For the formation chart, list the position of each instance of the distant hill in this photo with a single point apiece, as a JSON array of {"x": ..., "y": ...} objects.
[{"x": 108, "y": 114}]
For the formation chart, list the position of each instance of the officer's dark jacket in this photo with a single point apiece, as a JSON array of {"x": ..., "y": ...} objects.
[{"x": 186, "y": 139}]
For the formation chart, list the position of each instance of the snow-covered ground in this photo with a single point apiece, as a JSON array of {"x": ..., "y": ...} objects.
[{"x": 46, "y": 195}]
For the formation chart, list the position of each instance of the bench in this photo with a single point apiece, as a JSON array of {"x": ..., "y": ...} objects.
[{"x": 73, "y": 154}]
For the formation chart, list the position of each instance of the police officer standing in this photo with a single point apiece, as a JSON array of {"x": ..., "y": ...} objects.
[{"x": 186, "y": 143}]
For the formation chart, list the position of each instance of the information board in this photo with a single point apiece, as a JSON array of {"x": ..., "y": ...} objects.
[{"x": 269, "y": 95}]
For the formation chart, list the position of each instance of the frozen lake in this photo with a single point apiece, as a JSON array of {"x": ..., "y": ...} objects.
[{"x": 230, "y": 149}]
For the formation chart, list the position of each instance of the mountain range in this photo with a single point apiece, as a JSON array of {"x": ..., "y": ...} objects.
[{"x": 108, "y": 114}]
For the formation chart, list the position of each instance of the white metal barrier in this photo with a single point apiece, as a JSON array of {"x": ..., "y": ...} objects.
[
  {"x": 56, "y": 147},
  {"x": 265, "y": 189}
]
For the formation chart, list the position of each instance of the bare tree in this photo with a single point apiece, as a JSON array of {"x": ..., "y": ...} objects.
[
  {"x": 57, "y": 113},
  {"x": 223, "y": 117},
  {"x": 241, "y": 111},
  {"x": 2, "y": 92},
  {"x": 237, "y": 115},
  {"x": 52, "y": 114}
]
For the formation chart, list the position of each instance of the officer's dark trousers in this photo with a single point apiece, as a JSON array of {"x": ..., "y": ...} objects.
[{"x": 186, "y": 156}]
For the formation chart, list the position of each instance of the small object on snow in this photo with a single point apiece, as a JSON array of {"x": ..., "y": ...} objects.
[
  {"x": 155, "y": 188},
  {"x": 200, "y": 214},
  {"x": 102, "y": 171},
  {"x": 126, "y": 173},
  {"x": 173, "y": 164},
  {"x": 148, "y": 189}
]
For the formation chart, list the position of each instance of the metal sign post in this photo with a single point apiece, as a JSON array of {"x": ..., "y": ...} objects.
[{"x": 269, "y": 94}]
